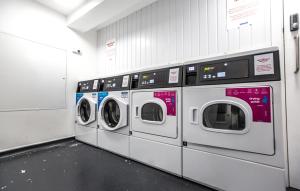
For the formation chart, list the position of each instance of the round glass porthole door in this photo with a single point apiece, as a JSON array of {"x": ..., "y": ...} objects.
[
  {"x": 223, "y": 116},
  {"x": 84, "y": 110},
  {"x": 152, "y": 112},
  {"x": 111, "y": 113}
]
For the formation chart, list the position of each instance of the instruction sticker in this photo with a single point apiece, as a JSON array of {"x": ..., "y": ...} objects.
[
  {"x": 174, "y": 76},
  {"x": 78, "y": 97},
  {"x": 101, "y": 96},
  {"x": 263, "y": 64},
  {"x": 125, "y": 81},
  {"x": 95, "y": 85},
  {"x": 169, "y": 97},
  {"x": 258, "y": 98}
]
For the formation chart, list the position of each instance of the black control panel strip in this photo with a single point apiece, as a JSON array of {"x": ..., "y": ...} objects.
[
  {"x": 116, "y": 83},
  {"x": 89, "y": 86},
  {"x": 160, "y": 78},
  {"x": 251, "y": 68}
]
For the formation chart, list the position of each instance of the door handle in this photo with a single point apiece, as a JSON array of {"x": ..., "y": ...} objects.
[
  {"x": 297, "y": 53},
  {"x": 136, "y": 111},
  {"x": 193, "y": 115}
]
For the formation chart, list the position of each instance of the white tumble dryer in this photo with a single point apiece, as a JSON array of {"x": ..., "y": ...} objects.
[
  {"x": 86, "y": 112},
  {"x": 233, "y": 127},
  {"x": 156, "y": 118},
  {"x": 113, "y": 114}
]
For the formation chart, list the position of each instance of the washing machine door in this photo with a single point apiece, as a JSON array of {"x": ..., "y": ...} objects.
[
  {"x": 155, "y": 113},
  {"x": 86, "y": 111},
  {"x": 237, "y": 118},
  {"x": 113, "y": 113}
]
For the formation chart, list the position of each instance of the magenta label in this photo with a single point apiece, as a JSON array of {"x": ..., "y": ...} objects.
[
  {"x": 169, "y": 97},
  {"x": 258, "y": 98}
]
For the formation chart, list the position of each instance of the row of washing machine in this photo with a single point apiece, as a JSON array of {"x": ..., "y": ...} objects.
[{"x": 217, "y": 122}]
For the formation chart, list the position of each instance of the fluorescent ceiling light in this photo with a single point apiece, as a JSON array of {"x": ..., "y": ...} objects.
[
  {"x": 84, "y": 10},
  {"x": 69, "y": 4}
]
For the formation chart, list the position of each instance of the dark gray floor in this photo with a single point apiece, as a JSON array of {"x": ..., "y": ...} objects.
[
  {"x": 73, "y": 166},
  {"x": 292, "y": 189}
]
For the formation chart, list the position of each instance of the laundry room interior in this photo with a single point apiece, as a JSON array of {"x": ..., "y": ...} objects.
[{"x": 144, "y": 95}]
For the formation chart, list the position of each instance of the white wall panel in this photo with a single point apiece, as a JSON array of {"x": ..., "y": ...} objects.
[
  {"x": 203, "y": 27},
  {"x": 154, "y": 32},
  {"x": 222, "y": 27},
  {"x": 32, "y": 21},
  {"x": 212, "y": 27},
  {"x": 179, "y": 29},
  {"x": 187, "y": 29},
  {"x": 169, "y": 31},
  {"x": 37, "y": 71},
  {"x": 195, "y": 27}
]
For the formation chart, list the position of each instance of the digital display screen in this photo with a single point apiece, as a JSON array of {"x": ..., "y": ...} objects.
[
  {"x": 209, "y": 68},
  {"x": 221, "y": 74},
  {"x": 145, "y": 77}
]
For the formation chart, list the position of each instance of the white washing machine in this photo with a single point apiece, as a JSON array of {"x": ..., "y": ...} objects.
[
  {"x": 156, "y": 119},
  {"x": 86, "y": 112},
  {"x": 233, "y": 129},
  {"x": 113, "y": 115}
]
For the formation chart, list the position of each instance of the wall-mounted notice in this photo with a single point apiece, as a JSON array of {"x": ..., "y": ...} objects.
[
  {"x": 110, "y": 49},
  {"x": 243, "y": 12}
]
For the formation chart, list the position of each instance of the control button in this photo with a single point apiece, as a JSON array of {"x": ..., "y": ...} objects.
[{"x": 192, "y": 68}]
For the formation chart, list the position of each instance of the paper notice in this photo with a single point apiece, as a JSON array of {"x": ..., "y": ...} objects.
[
  {"x": 110, "y": 51},
  {"x": 243, "y": 12}
]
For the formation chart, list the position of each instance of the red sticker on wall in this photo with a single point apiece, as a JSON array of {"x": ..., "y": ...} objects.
[
  {"x": 169, "y": 98},
  {"x": 259, "y": 99}
]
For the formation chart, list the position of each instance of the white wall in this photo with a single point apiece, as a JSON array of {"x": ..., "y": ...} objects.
[
  {"x": 32, "y": 21},
  {"x": 170, "y": 31}
]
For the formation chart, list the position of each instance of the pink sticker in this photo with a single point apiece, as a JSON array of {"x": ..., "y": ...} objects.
[
  {"x": 259, "y": 100},
  {"x": 169, "y": 97}
]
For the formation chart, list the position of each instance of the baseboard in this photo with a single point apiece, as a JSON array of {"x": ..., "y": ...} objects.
[{"x": 35, "y": 145}]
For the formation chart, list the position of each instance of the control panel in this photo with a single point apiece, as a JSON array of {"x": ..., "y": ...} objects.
[
  {"x": 88, "y": 86},
  {"x": 161, "y": 78},
  {"x": 257, "y": 67},
  {"x": 117, "y": 83},
  {"x": 224, "y": 70}
]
